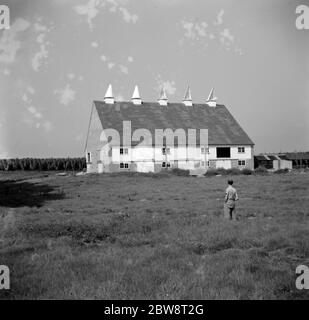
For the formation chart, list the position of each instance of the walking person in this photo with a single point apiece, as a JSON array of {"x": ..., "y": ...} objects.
[{"x": 229, "y": 202}]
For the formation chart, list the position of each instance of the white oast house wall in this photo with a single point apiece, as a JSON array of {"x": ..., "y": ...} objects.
[{"x": 145, "y": 158}]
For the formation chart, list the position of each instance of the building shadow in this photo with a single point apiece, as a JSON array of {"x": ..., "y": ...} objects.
[{"x": 15, "y": 194}]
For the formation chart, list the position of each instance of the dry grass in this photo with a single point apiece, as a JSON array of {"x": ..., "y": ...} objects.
[{"x": 152, "y": 237}]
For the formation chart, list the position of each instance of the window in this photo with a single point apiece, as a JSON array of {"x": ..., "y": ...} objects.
[
  {"x": 208, "y": 163},
  {"x": 88, "y": 157},
  {"x": 204, "y": 150},
  {"x": 241, "y": 149},
  {"x": 166, "y": 165},
  {"x": 223, "y": 152},
  {"x": 124, "y": 151},
  {"x": 166, "y": 151},
  {"x": 241, "y": 162},
  {"x": 123, "y": 165}
]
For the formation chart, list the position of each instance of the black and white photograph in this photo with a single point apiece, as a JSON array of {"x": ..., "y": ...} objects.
[{"x": 154, "y": 150}]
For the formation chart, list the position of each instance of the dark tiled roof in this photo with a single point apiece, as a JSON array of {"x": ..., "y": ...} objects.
[
  {"x": 272, "y": 157},
  {"x": 297, "y": 155},
  {"x": 223, "y": 129},
  {"x": 283, "y": 157},
  {"x": 260, "y": 158}
]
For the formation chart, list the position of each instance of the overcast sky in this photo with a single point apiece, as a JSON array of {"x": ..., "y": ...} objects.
[{"x": 59, "y": 55}]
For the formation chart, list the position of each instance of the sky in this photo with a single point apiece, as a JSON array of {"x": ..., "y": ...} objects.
[{"x": 60, "y": 55}]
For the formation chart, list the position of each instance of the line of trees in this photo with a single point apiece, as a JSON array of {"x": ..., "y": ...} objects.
[{"x": 58, "y": 164}]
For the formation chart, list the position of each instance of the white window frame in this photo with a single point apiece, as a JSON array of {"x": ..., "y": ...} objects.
[
  {"x": 166, "y": 151},
  {"x": 124, "y": 165},
  {"x": 242, "y": 163},
  {"x": 123, "y": 151},
  {"x": 204, "y": 150},
  {"x": 241, "y": 149},
  {"x": 165, "y": 164}
]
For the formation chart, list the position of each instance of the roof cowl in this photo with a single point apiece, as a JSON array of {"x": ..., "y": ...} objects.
[
  {"x": 136, "y": 99},
  {"x": 109, "y": 98},
  {"x": 187, "y": 100},
  {"x": 212, "y": 100},
  {"x": 162, "y": 97}
]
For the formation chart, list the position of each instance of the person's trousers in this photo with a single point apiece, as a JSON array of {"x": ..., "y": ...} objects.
[{"x": 229, "y": 213}]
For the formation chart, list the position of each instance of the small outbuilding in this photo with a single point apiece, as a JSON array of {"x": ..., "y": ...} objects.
[
  {"x": 272, "y": 161},
  {"x": 298, "y": 159}
]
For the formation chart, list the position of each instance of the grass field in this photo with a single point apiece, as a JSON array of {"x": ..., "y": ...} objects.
[{"x": 152, "y": 236}]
